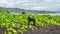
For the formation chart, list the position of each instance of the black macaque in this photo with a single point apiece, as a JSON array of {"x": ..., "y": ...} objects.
[{"x": 31, "y": 20}]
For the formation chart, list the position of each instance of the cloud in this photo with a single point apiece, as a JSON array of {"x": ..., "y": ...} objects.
[
  {"x": 47, "y": 0},
  {"x": 2, "y": 1},
  {"x": 39, "y": 8},
  {"x": 32, "y": 4},
  {"x": 6, "y": 3}
]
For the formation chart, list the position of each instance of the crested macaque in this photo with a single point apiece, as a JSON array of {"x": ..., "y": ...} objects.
[{"x": 31, "y": 20}]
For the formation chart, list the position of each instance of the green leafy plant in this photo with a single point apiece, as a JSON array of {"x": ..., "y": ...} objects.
[{"x": 19, "y": 23}]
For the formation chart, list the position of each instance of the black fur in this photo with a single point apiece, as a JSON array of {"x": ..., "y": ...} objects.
[{"x": 31, "y": 20}]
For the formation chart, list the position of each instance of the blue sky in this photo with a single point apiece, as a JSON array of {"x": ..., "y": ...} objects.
[{"x": 48, "y": 5}]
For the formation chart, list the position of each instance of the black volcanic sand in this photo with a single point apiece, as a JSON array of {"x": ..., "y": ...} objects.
[{"x": 41, "y": 30}]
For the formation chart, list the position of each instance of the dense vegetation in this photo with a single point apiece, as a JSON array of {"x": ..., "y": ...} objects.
[{"x": 19, "y": 23}]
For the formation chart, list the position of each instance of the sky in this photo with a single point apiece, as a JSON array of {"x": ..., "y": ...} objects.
[{"x": 48, "y": 5}]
